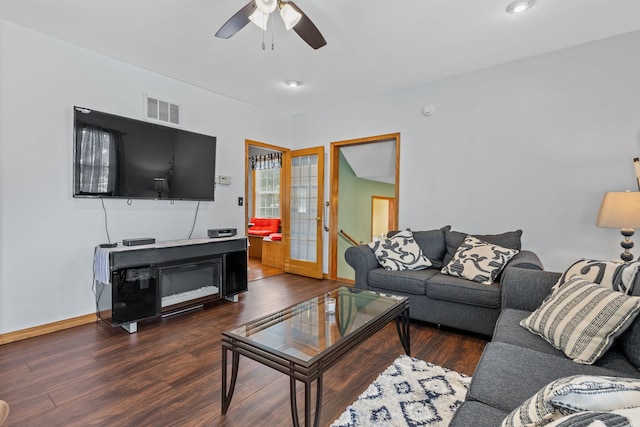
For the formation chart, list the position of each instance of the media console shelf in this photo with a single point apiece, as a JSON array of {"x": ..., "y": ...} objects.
[{"x": 133, "y": 283}]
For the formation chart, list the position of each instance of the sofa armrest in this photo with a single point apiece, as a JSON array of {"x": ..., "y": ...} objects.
[
  {"x": 525, "y": 259},
  {"x": 363, "y": 260},
  {"x": 525, "y": 289}
]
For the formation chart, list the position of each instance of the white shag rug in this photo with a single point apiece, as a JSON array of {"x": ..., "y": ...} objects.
[{"x": 410, "y": 392}]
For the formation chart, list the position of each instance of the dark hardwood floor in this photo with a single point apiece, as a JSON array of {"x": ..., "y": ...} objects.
[{"x": 169, "y": 373}]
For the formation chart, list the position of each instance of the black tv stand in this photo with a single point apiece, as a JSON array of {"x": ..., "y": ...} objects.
[{"x": 134, "y": 283}]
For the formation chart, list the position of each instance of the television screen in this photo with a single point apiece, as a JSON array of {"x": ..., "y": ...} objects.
[{"x": 132, "y": 159}]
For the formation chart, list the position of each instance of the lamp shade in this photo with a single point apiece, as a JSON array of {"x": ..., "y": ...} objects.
[
  {"x": 290, "y": 16},
  {"x": 620, "y": 210},
  {"x": 266, "y": 6},
  {"x": 260, "y": 19}
]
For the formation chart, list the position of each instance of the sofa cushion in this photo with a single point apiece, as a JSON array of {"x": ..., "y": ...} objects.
[
  {"x": 263, "y": 226},
  {"x": 407, "y": 281},
  {"x": 453, "y": 239},
  {"x": 569, "y": 395},
  {"x": 507, "y": 374},
  {"x": 630, "y": 343},
  {"x": 400, "y": 252},
  {"x": 456, "y": 289},
  {"x": 618, "y": 276},
  {"x": 477, "y": 414},
  {"x": 582, "y": 319},
  {"x": 432, "y": 244},
  {"x": 478, "y": 260},
  {"x": 508, "y": 330}
]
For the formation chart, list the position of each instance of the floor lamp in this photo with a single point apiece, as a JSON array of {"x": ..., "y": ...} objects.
[{"x": 621, "y": 210}]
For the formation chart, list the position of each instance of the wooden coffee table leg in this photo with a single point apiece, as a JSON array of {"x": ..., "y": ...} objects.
[
  {"x": 402, "y": 323},
  {"x": 226, "y": 396}
]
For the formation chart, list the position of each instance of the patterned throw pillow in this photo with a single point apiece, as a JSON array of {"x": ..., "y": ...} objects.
[
  {"x": 618, "y": 276},
  {"x": 582, "y": 319},
  {"x": 570, "y": 395},
  {"x": 400, "y": 252},
  {"x": 478, "y": 260},
  {"x": 619, "y": 418}
]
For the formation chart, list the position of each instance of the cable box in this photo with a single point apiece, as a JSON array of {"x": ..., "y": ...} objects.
[
  {"x": 222, "y": 232},
  {"x": 139, "y": 241}
]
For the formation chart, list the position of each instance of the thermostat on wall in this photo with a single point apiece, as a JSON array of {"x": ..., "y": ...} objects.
[{"x": 224, "y": 180}]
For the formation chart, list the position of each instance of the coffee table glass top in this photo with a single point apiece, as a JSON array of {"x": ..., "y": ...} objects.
[{"x": 304, "y": 330}]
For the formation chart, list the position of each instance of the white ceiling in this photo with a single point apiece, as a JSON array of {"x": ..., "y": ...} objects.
[
  {"x": 375, "y": 161},
  {"x": 373, "y": 46}
]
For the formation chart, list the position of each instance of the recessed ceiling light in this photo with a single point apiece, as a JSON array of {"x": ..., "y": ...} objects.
[
  {"x": 293, "y": 83},
  {"x": 520, "y": 6}
]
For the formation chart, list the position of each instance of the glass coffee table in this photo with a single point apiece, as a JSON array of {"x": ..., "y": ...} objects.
[{"x": 303, "y": 341}]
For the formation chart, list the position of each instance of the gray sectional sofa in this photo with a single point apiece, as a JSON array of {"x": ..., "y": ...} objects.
[
  {"x": 516, "y": 363},
  {"x": 436, "y": 297}
]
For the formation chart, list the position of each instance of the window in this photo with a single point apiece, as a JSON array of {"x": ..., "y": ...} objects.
[{"x": 267, "y": 193}]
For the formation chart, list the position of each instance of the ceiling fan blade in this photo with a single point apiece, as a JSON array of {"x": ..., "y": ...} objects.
[
  {"x": 307, "y": 29},
  {"x": 237, "y": 21}
]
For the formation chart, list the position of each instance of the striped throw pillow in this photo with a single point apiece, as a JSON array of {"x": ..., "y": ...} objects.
[
  {"x": 582, "y": 319},
  {"x": 575, "y": 394}
]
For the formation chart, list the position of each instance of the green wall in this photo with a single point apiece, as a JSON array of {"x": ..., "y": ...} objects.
[{"x": 354, "y": 210}]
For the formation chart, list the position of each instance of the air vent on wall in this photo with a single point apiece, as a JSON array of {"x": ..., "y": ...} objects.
[{"x": 162, "y": 111}]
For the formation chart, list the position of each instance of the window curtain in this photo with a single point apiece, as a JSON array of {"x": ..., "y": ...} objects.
[
  {"x": 266, "y": 161},
  {"x": 97, "y": 160}
]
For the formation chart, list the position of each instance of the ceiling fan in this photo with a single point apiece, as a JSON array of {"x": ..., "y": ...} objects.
[{"x": 258, "y": 11}]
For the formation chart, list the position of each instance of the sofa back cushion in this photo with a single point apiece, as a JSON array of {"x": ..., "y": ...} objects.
[
  {"x": 432, "y": 244},
  {"x": 453, "y": 240},
  {"x": 630, "y": 340}
]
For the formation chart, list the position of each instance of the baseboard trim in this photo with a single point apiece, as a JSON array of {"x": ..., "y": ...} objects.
[{"x": 36, "y": 331}]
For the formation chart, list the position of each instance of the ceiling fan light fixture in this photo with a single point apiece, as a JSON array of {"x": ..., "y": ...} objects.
[
  {"x": 290, "y": 16},
  {"x": 520, "y": 6},
  {"x": 260, "y": 19},
  {"x": 266, "y": 6}
]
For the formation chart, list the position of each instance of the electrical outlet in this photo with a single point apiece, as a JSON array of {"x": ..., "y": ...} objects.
[{"x": 240, "y": 201}]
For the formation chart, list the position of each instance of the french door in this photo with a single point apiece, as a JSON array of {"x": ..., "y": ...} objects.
[{"x": 302, "y": 219}]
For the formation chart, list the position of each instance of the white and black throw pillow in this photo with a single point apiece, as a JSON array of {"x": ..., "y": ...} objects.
[
  {"x": 582, "y": 319},
  {"x": 400, "y": 252},
  {"x": 478, "y": 261},
  {"x": 575, "y": 394},
  {"x": 627, "y": 417},
  {"x": 618, "y": 276}
]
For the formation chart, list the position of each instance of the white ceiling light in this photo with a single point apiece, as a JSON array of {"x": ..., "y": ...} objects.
[
  {"x": 266, "y": 6},
  {"x": 260, "y": 19},
  {"x": 293, "y": 83},
  {"x": 520, "y": 6},
  {"x": 290, "y": 16}
]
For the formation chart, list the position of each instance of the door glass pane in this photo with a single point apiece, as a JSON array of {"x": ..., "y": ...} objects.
[{"x": 304, "y": 207}]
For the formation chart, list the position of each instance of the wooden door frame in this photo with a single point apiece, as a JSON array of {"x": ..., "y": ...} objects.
[
  {"x": 334, "y": 156},
  {"x": 285, "y": 158},
  {"x": 392, "y": 212}
]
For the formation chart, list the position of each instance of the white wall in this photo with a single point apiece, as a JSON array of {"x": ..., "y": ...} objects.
[
  {"x": 532, "y": 144},
  {"x": 47, "y": 237}
]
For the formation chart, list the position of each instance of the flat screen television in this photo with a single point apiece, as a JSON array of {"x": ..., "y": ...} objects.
[{"x": 119, "y": 157}]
